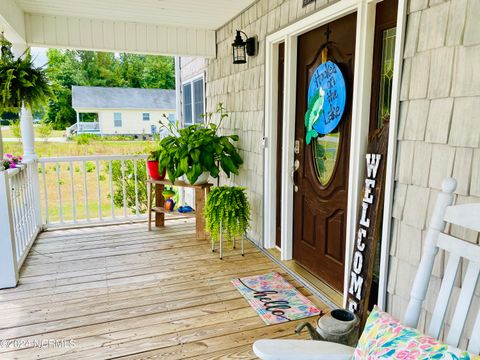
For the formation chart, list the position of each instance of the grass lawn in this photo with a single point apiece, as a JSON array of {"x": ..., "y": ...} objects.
[
  {"x": 7, "y": 133},
  {"x": 49, "y": 178}
]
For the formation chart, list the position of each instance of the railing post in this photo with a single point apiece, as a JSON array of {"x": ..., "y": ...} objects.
[
  {"x": 8, "y": 251},
  {"x": 32, "y": 168}
]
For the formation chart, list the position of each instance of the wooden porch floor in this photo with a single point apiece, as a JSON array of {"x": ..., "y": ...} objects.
[{"x": 123, "y": 292}]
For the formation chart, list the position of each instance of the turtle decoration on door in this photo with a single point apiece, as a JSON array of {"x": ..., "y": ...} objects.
[{"x": 326, "y": 99}]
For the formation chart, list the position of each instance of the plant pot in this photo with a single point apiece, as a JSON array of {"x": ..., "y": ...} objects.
[
  {"x": 202, "y": 179},
  {"x": 153, "y": 170}
]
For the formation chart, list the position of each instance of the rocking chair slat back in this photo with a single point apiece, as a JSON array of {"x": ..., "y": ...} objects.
[
  {"x": 467, "y": 216},
  {"x": 444, "y": 296},
  {"x": 474, "y": 343},
  {"x": 463, "y": 304}
]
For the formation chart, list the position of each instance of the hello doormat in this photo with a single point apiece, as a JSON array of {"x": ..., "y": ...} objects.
[{"x": 274, "y": 298}]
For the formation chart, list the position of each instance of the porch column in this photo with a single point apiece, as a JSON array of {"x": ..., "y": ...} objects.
[
  {"x": 1, "y": 142},
  {"x": 28, "y": 135},
  {"x": 26, "y": 119}
]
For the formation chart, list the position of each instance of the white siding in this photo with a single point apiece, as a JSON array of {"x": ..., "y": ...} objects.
[{"x": 132, "y": 121}]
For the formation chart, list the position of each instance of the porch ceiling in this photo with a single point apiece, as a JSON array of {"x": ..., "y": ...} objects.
[{"x": 172, "y": 27}]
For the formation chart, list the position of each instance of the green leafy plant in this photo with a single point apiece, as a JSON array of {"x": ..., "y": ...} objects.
[
  {"x": 199, "y": 148},
  {"x": 21, "y": 83},
  {"x": 117, "y": 179},
  {"x": 229, "y": 206},
  {"x": 45, "y": 130},
  {"x": 15, "y": 129},
  {"x": 154, "y": 155}
]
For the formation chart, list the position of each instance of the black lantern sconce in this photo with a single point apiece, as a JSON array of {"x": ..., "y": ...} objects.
[{"x": 241, "y": 48}]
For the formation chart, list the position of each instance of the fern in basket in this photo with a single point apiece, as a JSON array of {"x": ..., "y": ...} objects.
[
  {"x": 21, "y": 82},
  {"x": 230, "y": 206}
]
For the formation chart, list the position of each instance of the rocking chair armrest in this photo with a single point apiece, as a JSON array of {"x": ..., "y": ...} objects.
[{"x": 301, "y": 350}]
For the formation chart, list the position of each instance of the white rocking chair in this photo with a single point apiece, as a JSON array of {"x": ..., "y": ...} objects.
[{"x": 467, "y": 216}]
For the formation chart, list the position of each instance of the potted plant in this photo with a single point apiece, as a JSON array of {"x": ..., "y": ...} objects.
[
  {"x": 198, "y": 151},
  {"x": 10, "y": 161},
  {"x": 229, "y": 207},
  {"x": 152, "y": 165},
  {"x": 21, "y": 83}
]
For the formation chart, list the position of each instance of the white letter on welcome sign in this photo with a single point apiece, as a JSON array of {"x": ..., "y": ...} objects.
[{"x": 373, "y": 160}]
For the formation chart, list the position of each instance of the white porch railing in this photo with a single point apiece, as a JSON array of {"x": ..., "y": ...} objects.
[
  {"x": 20, "y": 219},
  {"x": 92, "y": 189},
  {"x": 84, "y": 128},
  {"x": 88, "y": 127}
]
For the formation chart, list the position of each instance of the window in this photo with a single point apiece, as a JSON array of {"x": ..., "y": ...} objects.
[
  {"x": 187, "y": 104},
  {"x": 117, "y": 119},
  {"x": 146, "y": 116},
  {"x": 171, "y": 118},
  {"x": 193, "y": 101},
  {"x": 198, "y": 100},
  {"x": 386, "y": 75}
]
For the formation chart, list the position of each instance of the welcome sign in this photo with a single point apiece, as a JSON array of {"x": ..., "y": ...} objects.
[{"x": 369, "y": 226}]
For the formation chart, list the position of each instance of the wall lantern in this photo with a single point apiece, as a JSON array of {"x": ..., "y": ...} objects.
[{"x": 241, "y": 48}]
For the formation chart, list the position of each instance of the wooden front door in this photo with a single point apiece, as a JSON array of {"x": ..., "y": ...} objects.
[{"x": 320, "y": 202}]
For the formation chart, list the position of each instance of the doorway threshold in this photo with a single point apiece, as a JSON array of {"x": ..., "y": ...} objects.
[{"x": 330, "y": 296}]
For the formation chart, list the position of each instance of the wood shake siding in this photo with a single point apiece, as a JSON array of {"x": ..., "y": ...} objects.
[{"x": 439, "y": 136}]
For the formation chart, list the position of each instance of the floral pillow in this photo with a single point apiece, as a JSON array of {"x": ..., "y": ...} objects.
[{"x": 385, "y": 338}]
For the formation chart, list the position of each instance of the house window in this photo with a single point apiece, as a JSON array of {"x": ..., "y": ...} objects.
[
  {"x": 146, "y": 116},
  {"x": 117, "y": 119},
  {"x": 171, "y": 118},
  {"x": 193, "y": 101}
]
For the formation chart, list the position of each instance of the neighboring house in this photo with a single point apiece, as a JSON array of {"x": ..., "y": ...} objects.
[{"x": 122, "y": 111}]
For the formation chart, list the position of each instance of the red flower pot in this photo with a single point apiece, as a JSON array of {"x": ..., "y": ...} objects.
[{"x": 153, "y": 170}]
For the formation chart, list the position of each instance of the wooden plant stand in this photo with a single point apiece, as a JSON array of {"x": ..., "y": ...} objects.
[{"x": 157, "y": 187}]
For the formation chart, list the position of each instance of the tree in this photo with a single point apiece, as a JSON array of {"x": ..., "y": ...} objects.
[
  {"x": 44, "y": 130},
  {"x": 89, "y": 68},
  {"x": 15, "y": 129}
]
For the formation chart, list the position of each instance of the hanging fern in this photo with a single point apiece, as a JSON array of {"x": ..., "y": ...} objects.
[
  {"x": 230, "y": 206},
  {"x": 20, "y": 81}
]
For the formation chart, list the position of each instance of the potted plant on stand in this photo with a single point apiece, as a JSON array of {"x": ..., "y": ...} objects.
[
  {"x": 152, "y": 165},
  {"x": 22, "y": 85},
  {"x": 227, "y": 215},
  {"x": 198, "y": 151}
]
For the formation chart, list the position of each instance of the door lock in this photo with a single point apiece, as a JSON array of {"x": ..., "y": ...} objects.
[
  {"x": 296, "y": 148},
  {"x": 295, "y": 167}
]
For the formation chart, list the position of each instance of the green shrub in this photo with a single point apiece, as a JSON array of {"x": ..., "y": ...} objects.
[
  {"x": 85, "y": 139},
  {"x": 90, "y": 166},
  {"x": 15, "y": 129},
  {"x": 44, "y": 130},
  {"x": 129, "y": 184}
]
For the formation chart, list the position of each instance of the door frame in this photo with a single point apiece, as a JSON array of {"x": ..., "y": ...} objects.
[{"x": 365, "y": 33}]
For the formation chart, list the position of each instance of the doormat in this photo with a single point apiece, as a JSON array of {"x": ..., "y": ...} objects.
[{"x": 274, "y": 298}]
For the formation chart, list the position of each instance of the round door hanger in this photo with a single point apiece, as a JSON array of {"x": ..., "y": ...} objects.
[{"x": 326, "y": 100}]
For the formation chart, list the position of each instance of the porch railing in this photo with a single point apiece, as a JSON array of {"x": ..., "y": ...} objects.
[
  {"x": 20, "y": 219},
  {"x": 88, "y": 127},
  {"x": 92, "y": 189},
  {"x": 84, "y": 127}
]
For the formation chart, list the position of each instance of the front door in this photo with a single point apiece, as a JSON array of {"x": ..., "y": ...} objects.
[{"x": 320, "y": 200}]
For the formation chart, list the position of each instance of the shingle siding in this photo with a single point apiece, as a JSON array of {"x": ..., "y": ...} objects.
[
  {"x": 447, "y": 34},
  {"x": 242, "y": 90}
]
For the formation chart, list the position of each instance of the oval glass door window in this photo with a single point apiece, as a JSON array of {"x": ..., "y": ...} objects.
[{"x": 325, "y": 151}]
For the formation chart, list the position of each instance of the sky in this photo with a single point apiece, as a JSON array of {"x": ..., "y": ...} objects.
[{"x": 39, "y": 56}]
